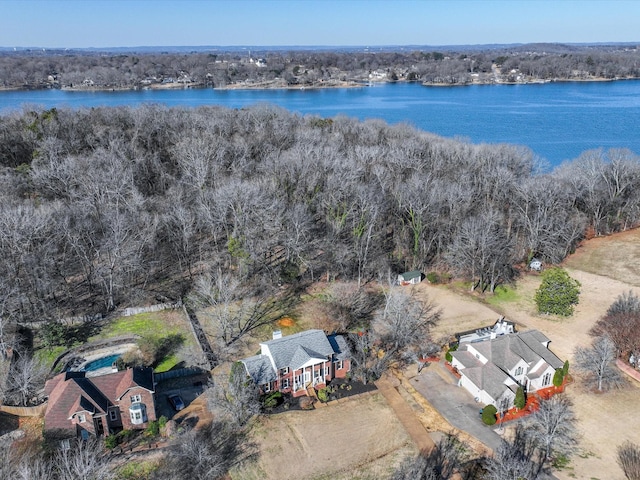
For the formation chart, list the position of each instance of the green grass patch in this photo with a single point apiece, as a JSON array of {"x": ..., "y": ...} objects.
[
  {"x": 503, "y": 294},
  {"x": 138, "y": 470},
  {"x": 167, "y": 363},
  {"x": 47, "y": 356},
  {"x": 143, "y": 324}
]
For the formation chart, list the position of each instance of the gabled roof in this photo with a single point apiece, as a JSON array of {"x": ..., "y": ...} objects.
[
  {"x": 259, "y": 369},
  {"x": 503, "y": 353},
  {"x": 294, "y": 351},
  {"x": 285, "y": 351},
  {"x": 72, "y": 392}
]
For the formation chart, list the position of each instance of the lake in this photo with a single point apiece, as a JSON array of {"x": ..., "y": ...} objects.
[{"x": 557, "y": 121}]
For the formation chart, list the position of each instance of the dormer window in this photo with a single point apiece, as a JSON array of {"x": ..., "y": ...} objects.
[
  {"x": 519, "y": 371},
  {"x": 284, "y": 370},
  {"x": 82, "y": 418}
]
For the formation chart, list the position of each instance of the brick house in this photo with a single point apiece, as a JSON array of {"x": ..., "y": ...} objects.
[
  {"x": 294, "y": 363},
  {"x": 81, "y": 406}
]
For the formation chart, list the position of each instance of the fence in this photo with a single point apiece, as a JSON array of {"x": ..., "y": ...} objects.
[
  {"x": 152, "y": 308},
  {"x": 181, "y": 372},
  {"x": 37, "y": 411}
]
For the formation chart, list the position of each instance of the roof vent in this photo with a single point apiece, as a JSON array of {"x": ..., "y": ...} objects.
[{"x": 277, "y": 334}]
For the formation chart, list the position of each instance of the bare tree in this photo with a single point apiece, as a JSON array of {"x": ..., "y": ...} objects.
[
  {"x": 629, "y": 460},
  {"x": 513, "y": 460},
  {"x": 597, "y": 363},
  {"x": 233, "y": 311},
  {"x": 235, "y": 397},
  {"x": 447, "y": 458},
  {"x": 207, "y": 452},
  {"x": 552, "y": 429},
  {"x": 403, "y": 326},
  {"x": 26, "y": 377},
  {"x": 85, "y": 460}
]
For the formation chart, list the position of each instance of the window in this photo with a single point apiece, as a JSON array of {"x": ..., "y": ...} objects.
[
  {"x": 518, "y": 371},
  {"x": 327, "y": 371},
  {"x": 267, "y": 387},
  {"x": 82, "y": 418},
  {"x": 113, "y": 415},
  {"x": 285, "y": 383},
  {"x": 136, "y": 416},
  {"x": 546, "y": 380},
  {"x": 340, "y": 365},
  {"x": 65, "y": 444},
  {"x": 136, "y": 398},
  {"x": 284, "y": 371}
]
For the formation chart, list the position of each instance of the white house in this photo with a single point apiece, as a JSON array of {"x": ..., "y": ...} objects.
[
  {"x": 535, "y": 265},
  {"x": 493, "y": 369},
  {"x": 410, "y": 278}
]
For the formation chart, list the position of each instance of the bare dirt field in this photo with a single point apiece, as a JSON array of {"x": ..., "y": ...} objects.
[
  {"x": 360, "y": 438},
  {"x": 604, "y": 419}
]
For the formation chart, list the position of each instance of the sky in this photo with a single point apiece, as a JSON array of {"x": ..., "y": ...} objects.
[{"x": 131, "y": 23}]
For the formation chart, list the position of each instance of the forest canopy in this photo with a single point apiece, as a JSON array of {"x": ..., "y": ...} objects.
[{"x": 104, "y": 207}]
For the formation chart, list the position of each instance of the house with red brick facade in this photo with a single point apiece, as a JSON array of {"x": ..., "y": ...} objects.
[
  {"x": 294, "y": 363},
  {"x": 82, "y": 406}
]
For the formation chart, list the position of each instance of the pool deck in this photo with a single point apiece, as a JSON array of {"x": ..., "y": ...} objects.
[{"x": 100, "y": 353}]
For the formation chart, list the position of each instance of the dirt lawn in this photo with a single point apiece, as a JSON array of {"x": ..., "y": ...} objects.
[
  {"x": 360, "y": 438},
  {"x": 604, "y": 420}
]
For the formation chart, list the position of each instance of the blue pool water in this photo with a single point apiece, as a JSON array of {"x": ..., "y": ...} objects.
[{"x": 103, "y": 362}]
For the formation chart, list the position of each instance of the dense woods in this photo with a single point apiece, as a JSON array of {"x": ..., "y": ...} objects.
[
  {"x": 218, "y": 68},
  {"x": 110, "y": 206}
]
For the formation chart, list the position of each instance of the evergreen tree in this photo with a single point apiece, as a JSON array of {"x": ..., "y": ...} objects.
[{"x": 558, "y": 293}]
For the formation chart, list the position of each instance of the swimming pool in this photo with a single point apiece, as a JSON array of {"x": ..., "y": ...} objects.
[{"x": 103, "y": 362}]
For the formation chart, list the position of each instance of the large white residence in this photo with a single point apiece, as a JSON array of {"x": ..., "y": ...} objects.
[{"x": 492, "y": 369}]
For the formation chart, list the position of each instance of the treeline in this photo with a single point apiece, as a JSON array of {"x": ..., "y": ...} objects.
[
  {"x": 312, "y": 68},
  {"x": 116, "y": 206}
]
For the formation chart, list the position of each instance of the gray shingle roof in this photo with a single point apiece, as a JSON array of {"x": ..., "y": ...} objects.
[
  {"x": 259, "y": 369},
  {"x": 284, "y": 349},
  {"x": 294, "y": 351}
]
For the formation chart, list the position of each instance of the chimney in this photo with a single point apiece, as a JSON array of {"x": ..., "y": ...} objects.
[{"x": 277, "y": 334}]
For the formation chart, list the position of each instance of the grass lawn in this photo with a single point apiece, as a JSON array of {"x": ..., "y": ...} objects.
[{"x": 154, "y": 325}]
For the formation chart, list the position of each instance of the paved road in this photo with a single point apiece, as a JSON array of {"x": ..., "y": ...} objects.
[{"x": 440, "y": 388}]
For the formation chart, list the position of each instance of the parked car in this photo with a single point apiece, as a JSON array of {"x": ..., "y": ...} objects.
[{"x": 176, "y": 402}]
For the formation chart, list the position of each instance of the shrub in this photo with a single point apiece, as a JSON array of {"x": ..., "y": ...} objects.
[
  {"x": 448, "y": 357},
  {"x": 520, "y": 400},
  {"x": 153, "y": 429},
  {"x": 111, "y": 442},
  {"x": 565, "y": 368},
  {"x": 162, "y": 421},
  {"x": 558, "y": 293},
  {"x": 272, "y": 400},
  {"x": 433, "y": 277},
  {"x": 323, "y": 395},
  {"x": 558, "y": 377},
  {"x": 489, "y": 415}
]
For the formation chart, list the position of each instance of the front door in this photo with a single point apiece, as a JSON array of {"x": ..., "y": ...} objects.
[{"x": 97, "y": 423}]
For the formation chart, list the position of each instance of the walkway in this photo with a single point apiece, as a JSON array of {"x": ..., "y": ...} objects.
[{"x": 405, "y": 414}]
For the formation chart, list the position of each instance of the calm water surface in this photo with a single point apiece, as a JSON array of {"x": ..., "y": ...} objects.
[{"x": 557, "y": 121}]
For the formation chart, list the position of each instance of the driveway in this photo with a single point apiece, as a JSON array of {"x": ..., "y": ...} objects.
[
  {"x": 189, "y": 388},
  {"x": 439, "y": 387}
]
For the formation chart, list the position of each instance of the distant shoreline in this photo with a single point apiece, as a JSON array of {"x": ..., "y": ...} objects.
[{"x": 278, "y": 85}]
